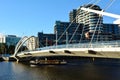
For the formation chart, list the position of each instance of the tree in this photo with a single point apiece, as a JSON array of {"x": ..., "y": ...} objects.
[
  {"x": 3, "y": 48},
  {"x": 11, "y": 49}
]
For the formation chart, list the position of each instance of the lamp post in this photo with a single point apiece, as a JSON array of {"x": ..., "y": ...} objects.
[
  {"x": 56, "y": 38},
  {"x": 66, "y": 39},
  {"x": 46, "y": 41}
]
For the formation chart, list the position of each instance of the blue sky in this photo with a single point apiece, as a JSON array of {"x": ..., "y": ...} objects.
[{"x": 28, "y": 17}]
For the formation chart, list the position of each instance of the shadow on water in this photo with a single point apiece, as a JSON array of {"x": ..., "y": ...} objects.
[{"x": 85, "y": 70}]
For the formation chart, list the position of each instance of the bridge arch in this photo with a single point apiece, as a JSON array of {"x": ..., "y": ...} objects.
[{"x": 20, "y": 43}]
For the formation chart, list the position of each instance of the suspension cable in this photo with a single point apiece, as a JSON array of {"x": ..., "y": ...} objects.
[
  {"x": 90, "y": 2},
  {"x": 95, "y": 3},
  {"x": 95, "y": 29},
  {"x": 73, "y": 21},
  {"x": 65, "y": 30},
  {"x": 99, "y": 29},
  {"x": 74, "y": 33},
  {"x": 84, "y": 25},
  {"x": 109, "y": 4}
]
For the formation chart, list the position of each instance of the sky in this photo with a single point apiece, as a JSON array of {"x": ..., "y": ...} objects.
[{"x": 28, "y": 17}]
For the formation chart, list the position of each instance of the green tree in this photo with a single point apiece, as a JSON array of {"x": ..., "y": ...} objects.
[
  {"x": 3, "y": 48},
  {"x": 11, "y": 49}
]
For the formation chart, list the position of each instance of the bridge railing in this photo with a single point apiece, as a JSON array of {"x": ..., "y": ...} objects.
[{"x": 85, "y": 45}]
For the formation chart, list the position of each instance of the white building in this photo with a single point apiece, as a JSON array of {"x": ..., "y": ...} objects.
[
  {"x": 2, "y": 38},
  {"x": 32, "y": 43}
]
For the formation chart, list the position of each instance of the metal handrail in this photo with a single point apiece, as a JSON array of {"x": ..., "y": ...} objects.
[{"x": 84, "y": 45}]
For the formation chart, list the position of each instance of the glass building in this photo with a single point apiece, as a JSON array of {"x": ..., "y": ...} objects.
[
  {"x": 112, "y": 31},
  {"x": 68, "y": 31},
  {"x": 12, "y": 40},
  {"x": 46, "y": 39}
]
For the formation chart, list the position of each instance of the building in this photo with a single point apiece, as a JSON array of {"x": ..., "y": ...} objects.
[
  {"x": 62, "y": 34},
  {"x": 32, "y": 43},
  {"x": 72, "y": 15},
  {"x": 2, "y": 38},
  {"x": 46, "y": 39},
  {"x": 112, "y": 31},
  {"x": 12, "y": 40},
  {"x": 9, "y": 39},
  {"x": 92, "y": 22},
  {"x": 68, "y": 32}
]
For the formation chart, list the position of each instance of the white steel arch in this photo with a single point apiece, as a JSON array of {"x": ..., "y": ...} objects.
[{"x": 20, "y": 43}]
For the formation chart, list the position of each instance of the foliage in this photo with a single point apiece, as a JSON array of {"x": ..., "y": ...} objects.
[
  {"x": 9, "y": 49},
  {"x": 6, "y": 49},
  {"x": 3, "y": 48}
]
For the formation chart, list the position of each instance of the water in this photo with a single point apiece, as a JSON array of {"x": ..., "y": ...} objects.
[{"x": 83, "y": 71}]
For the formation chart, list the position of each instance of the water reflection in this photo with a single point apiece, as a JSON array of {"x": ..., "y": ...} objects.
[{"x": 84, "y": 71}]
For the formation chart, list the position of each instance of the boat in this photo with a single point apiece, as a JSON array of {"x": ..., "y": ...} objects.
[{"x": 47, "y": 62}]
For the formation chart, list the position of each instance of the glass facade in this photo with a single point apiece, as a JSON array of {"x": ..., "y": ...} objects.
[
  {"x": 112, "y": 30},
  {"x": 46, "y": 39},
  {"x": 71, "y": 29},
  {"x": 12, "y": 40}
]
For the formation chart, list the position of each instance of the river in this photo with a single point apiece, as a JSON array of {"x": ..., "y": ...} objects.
[{"x": 83, "y": 71}]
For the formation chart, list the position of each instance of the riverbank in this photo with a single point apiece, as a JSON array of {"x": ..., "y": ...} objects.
[{"x": 2, "y": 58}]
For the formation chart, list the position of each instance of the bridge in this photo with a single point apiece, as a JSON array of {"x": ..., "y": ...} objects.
[{"x": 95, "y": 50}]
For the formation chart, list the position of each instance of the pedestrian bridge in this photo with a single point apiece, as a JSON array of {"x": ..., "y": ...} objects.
[{"x": 101, "y": 50}]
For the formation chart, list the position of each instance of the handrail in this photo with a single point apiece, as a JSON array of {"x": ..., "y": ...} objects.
[{"x": 85, "y": 45}]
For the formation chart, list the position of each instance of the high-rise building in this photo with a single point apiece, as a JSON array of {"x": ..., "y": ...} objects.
[
  {"x": 72, "y": 15},
  {"x": 92, "y": 22}
]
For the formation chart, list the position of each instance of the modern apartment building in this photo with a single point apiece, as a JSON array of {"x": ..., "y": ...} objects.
[{"x": 93, "y": 24}]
